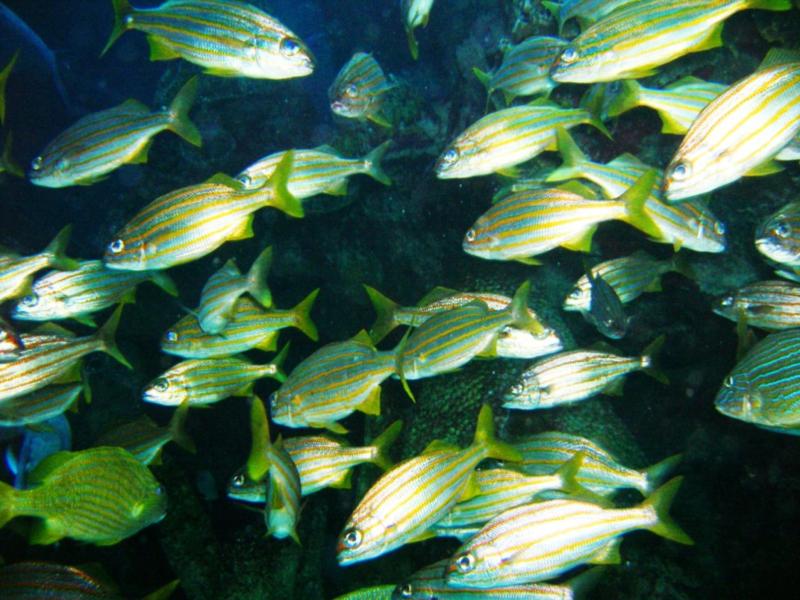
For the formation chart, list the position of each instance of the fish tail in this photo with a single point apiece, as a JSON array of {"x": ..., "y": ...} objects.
[
  {"x": 11, "y": 165},
  {"x": 572, "y": 156},
  {"x": 107, "y": 333},
  {"x": 595, "y": 122},
  {"x": 166, "y": 591},
  {"x": 3, "y": 80},
  {"x": 635, "y": 199},
  {"x": 57, "y": 251},
  {"x": 486, "y": 80},
  {"x": 258, "y": 463},
  {"x": 628, "y": 98},
  {"x": 382, "y": 444},
  {"x": 484, "y": 436},
  {"x": 386, "y": 311},
  {"x": 655, "y": 474},
  {"x": 648, "y": 360},
  {"x": 257, "y": 278},
  {"x": 372, "y": 163},
  {"x": 122, "y": 10},
  {"x": 777, "y": 5},
  {"x": 659, "y": 502},
  {"x": 275, "y": 368},
  {"x": 413, "y": 47},
  {"x": 179, "y": 113},
  {"x": 165, "y": 282},
  {"x": 177, "y": 428},
  {"x": 519, "y": 310},
  {"x": 302, "y": 316},
  {"x": 8, "y": 495},
  {"x": 280, "y": 197}
]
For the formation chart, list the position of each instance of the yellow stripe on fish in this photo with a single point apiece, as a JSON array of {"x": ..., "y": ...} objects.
[{"x": 359, "y": 89}]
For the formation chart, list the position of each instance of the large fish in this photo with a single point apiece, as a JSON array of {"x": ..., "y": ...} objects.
[
  {"x": 39, "y": 406},
  {"x": 225, "y": 37},
  {"x": 415, "y": 14},
  {"x": 359, "y": 90},
  {"x": 770, "y": 305}
]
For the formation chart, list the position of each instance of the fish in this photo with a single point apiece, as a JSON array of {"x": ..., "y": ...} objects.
[
  {"x": 4, "y": 74},
  {"x": 251, "y": 327},
  {"x": 359, "y": 90},
  {"x": 39, "y": 441},
  {"x": 7, "y": 162},
  {"x": 605, "y": 312},
  {"x": 739, "y": 132},
  {"x": 600, "y": 472},
  {"x": 416, "y": 13},
  {"x": 208, "y": 380},
  {"x": 16, "y": 272},
  {"x": 634, "y": 40},
  {"x": 79, "y": 293},
  {"x": 193, "y": 221},
  {"x": 144, "y": 439},
  {"x": 576, "y": 375},
  {"x": 40, "y": 405},
  {"x": 42, "y": 364},
  {"x": 585, "y": 11},
  {"x": 376, "y": 592},
  {"x": 226, "y": 38},
  {"x": 778, "y": 236},
  {"x": 318, "y": 171},
  {"x": 100, "y": 496},
  {"x": 525, "y": 70},
  {"x": 528, "y": 223},
  {"x": 222, "y": 291},
  {"x": 416, "y": 493},
  {"x": 770, "y": 305},
  {"x": 333, "y": 382},
  {"x": 499, "y": 141},
  {"x": 761, "y": 389},
  {"x": 690, "y": 224},
  {"x": 11, "y": 344},
  {"x": 97, "y": 144},
  {"x": 540, "y": 541}
]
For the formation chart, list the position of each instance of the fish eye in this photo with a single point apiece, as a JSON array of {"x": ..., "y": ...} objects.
[
  {"x": 782, "y": 230},
  {"x": 576, "y": 293},
  {"x": 116, "y": 246},
  {"x": 352, "y": 538},
  {"x": 238, "y": 480},
  {"x": 351, "y": 90},
  {"x": 719, "y": 228},
  {"x": 517, "y": 389},
  {"x": 171, "y": 336},
  {"x": 30, "y": 300},
  {"x": 569, "y": 55},
  {"x": 471, "y": 235},
  {"x": 465, "y": 562},
  {"x": 450, "y": 156},
  {"x": 36, "y": 165},
  {"x": 726, "y": 302},
  {"x": 245, "y": 180},
  {"x": 161, "y": 384},
  {"x": 289, "y": 47},
  {"x": 407, "y": 590},
  {"x": 159, "y": 490},
  {"x": 680, "y": 171},
  {"x": 730, "y": 381},
  {"x": 128, "y": 20}
]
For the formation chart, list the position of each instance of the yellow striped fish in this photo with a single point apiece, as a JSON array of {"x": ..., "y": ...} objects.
[
  {"x": 10, "y": 342},
  {"x": 318, "y": 171},
  {"x": 251, "y": 327},
  {"x": 16, "y": 272},
  {"x": 503, "y": 139},
  {"x": 642, "y": 35},
  {"x": 739, "y": 132},
  {"x": 332, "y": 383},
  {"x": 412, "y": 496},
  {"x": 778, "y": 236},
  {"x": 89, "y": 288},
  {"x": 359, "y": 90},
  {"x": 100, "y": 496},
  {"x": 770, "y": 305},
  {"x": 3, "y": 83},
  {"x": 222, "y": 291},
  {"x": 38, "y": 406},
  {"x": 7, "y": 162},
  {"x": 415, "y": 14},
  {"x": 529, "y": 223},
  {"x": 191, "y": 222},
  {"x": 541, "y": 541},
  {"x": 225, "y": 37},
  {"x": 205, "y": 381},
  {"x": 98, "y": 143}
]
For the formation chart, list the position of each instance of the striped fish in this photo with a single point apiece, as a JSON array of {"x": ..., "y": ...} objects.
[
  {"x": 38, "y": 406},
  {"x": 642, "y": 35},
  {"x": 359, "y": 90},
  {"x": 11, "y": 344},
  {"x": 415, "y": 13},
  {"x": 7, "y": 162},
  {"x": 778, "y": 236},
  {"x": 100, "y": 496},
  {"x": 375, "y": 592},
  {"x": 318, "y": 171},
  {"x": 42, "y": 363},
  {"x": 90, "y": 288},
  {"x": 541, "y": 541},
  {"x": 223, "y": 289},
  {"x": 408, "y": 499},
  {"x": 689, "y": 225},
  {"x": 16, "y": 272},
  {"x": 600, "y": 472},
  {"x": 333, "y": 382},
  {"x": 576, "y": 375},
  {"x": 193, "y": 221},
  {"x": 505, "y": 138},
  {"x": 4, "y": 73},
  {"x": 529, "y": 223},
  {"x": 103, "y": 141},
  {"x": 525, "y": 70},
  {"x": 739, "y": 132},
  {"x": 226, "y": 37},
  {"x": 251, "y": 327},
  {"x": 762, "y": 388},
  {"x": 207, "y": 380},
  {"x": 770, "y": 305},
  {"x": 586, "y": 11}
]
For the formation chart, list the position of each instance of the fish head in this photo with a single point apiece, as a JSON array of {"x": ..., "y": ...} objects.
[
  {"x": 527, "y": 393},
  {"x": 480, "y": 239},
  {"x": 513, "y": 342},
  {"x": 739, "y": 399},
  {"x": 583, "y": 62},
  {"x": 284, "y": 58},
  {"x": 127, "y": 252},
  {"x": 477, "y": 563},
  {"x": 460, "y": 159},
  {"x": 708, "y": 232},
  {"x": 364, "y": 537},
  {"x": 167, "y": 390},
  {"x": 778, "y": 238},
  {"x": 36, "y": 306},
  {"x": 151, "y": 506},
  {"x": 726, "y": 306},
  {"x": 243, "y": 488},
  {"x": 695, "y": 170},
  {"x": 282, "y": 407},
  {"x": 348, "y": 99},
  {"x": 50, "y": 171}
]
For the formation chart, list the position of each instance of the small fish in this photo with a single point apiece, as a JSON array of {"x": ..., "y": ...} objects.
[
  {"x": 359, "y": 90},
  {"x": 576, "y": 375},
  {"x": 633, "y": 41},
  {"x": 205, "y": 381},
  {"x": 251, "y": 327},
  {"x": 4, "y": 73},
  {"x": 101, "y": 142},
  {"x": 318, "y": 171},
  {"x": 223, "y": 289},
  {"x": 38, "y": 442},
  {"x": 778, "y": 236},
  {"x": 225, "y": 37},
  {"x": 541, "y": 541},
  {"x": 39, "y": 406},
  {"x": 332, "y": 383},
  {"x": 89, "y": 288},
  {"x": 761, "y": 389},
  {"x": 415, "y": 13},
  {"x": 503, "y": 139},
  {"x": 7, "y": 162},
  {"x": 376, "y": 592},
  {"x": 11, "y": 344},
  {"x": 193, "y": 221},
  {"x": 412, "y": 496},
  {"x": 529, "y": 223},
  {"x": 739, "y": 132},
  {"x": 770, "y": 305},
  {"x": 525, "y": 70},
  {"x": 605, "y": 312},
  {"x": 585, "y": 11},
  {"x": 16, "y": 272}
]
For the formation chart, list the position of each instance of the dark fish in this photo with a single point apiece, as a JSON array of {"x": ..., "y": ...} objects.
[
  {"x": 605, "y": 312},
  {"x": 47, "y": 438}
]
